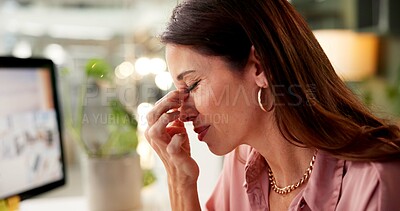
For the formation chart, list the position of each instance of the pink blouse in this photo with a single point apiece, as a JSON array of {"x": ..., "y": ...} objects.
[{"x": 334, "y": 185}]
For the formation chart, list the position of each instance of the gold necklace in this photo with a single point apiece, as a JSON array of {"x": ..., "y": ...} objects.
[{"x": 290, "y": 188}]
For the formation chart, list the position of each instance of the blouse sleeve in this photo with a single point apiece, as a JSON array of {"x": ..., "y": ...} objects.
[
  {"x": 387, "y": 194},
  {"x": 375, "y": 187}
]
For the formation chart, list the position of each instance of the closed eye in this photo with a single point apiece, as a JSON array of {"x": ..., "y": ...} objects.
[{"x": 193, "y": 86}]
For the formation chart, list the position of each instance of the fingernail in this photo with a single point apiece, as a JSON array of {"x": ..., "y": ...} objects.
[{"x": 173, "y": 111}]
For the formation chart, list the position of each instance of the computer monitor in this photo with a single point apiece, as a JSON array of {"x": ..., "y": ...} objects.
[{"x": 31, "y": 152}]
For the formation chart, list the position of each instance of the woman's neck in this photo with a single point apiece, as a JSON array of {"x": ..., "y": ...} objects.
[
  {"x": 288, "y": 164},
  {"x": 287, "y": 161}
]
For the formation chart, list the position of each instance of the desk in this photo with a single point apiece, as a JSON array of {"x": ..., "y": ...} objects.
[
  {"x": 77, "y": 203},
  {"x": 150, "y": 202},
  {"x": 71, "y": 197}
]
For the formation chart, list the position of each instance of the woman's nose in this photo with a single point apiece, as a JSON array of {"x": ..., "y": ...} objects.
[{"x": 188, "y": 110}]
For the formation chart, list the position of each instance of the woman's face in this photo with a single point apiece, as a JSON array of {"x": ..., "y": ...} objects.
[{"x": 222, "y": 102}]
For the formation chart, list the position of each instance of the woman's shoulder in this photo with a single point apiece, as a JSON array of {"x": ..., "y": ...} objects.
[
  {"x": 372, "y": 184},
  {"x": 384, "y": 175},
  {"x": 380, "y": 171}
]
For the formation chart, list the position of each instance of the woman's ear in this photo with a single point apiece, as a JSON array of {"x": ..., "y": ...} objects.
[{"x": 258, "y": 71}]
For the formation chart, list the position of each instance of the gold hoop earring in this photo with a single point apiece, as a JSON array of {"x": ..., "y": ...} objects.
[{"x": 260, "y": 101}]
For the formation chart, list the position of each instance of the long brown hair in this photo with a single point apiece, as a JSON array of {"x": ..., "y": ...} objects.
[{"x": 313, "y": 107}]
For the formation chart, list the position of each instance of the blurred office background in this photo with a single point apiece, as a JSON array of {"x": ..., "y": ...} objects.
[
  {"x": 362, "y": 40},
  {"x": 361, "y": 37},
  {"x": 122, "y": 33}
]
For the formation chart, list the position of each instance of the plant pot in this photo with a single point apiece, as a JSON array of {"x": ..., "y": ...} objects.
[{"x": 113, "y": 183}]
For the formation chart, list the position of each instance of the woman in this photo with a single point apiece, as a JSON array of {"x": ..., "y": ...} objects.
[{"x": 294, "y": 135}]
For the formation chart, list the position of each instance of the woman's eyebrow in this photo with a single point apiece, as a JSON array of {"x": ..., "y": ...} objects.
[{"x": 181, "y": 75}]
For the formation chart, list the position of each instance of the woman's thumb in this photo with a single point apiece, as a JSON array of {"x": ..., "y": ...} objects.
[{"x": 175, "y": 146}]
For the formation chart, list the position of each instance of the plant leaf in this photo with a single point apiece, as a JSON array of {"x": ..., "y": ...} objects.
[{"x": 98, "y": 69}]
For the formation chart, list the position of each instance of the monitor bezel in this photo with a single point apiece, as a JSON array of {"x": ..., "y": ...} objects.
[{"x": 13, "y": 62}]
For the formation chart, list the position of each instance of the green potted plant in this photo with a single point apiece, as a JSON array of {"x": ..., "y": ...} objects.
[
  {"x": 118, "y": 125},
  {"x": 107, "y": 133}
]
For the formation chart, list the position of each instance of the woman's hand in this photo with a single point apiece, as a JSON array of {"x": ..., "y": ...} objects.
[{"x": 168, "y": 137}]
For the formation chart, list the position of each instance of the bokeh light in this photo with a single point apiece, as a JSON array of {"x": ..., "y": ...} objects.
[
  {"x": 158, "y": 65},
  {"x": 142, "y": 111},
  {"x": 143, "y": 66},
  {"x": 163, "y": 81},
  {"x": 22, "y": 49},
  {"x": 124, "y": 70},
  {"x": 56, "y": 53}
]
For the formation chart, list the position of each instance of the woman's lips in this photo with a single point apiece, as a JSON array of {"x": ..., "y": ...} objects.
[{"x": 201, "y": 131}]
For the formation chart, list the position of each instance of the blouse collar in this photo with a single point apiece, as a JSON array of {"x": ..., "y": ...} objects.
[{"x": 321, "y": 193}]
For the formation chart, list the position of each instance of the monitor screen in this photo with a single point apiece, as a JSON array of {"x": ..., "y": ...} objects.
[{"x": 31, "y": 155}]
